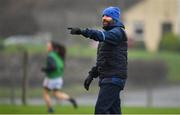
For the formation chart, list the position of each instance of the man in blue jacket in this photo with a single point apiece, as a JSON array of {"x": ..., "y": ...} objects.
[{"x": 111, "y": 65}]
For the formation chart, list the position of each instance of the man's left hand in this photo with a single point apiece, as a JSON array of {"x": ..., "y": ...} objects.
[
  {"x": 87, "y": 82},
  {"x": 75, "y": 31}
]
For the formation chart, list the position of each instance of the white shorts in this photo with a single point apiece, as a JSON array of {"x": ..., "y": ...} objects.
[{"x": 53, "y": 84}]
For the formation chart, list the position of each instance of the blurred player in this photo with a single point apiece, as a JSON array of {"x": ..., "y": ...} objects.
[{"x": 54, "y": 70}]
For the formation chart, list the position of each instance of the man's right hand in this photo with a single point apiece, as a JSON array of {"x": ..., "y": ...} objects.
[
  {"x": 75, "y": 31},
  {"x": 87, "y": 82}
]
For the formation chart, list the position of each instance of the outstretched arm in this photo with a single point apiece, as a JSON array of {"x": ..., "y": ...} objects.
[
  {"x": 51, "y": 65},
  {"x": 113, "y": 36}
]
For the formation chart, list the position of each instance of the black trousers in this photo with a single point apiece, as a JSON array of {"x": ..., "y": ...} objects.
[{"x": 108, "y": 101}]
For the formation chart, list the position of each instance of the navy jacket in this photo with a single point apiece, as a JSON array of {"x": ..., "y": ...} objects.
[{"x": 112, "y": 51}]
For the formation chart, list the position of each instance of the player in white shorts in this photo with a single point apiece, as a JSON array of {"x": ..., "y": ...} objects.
[
  {"x": 53, "y": 84},
  {"x": 54, "y": 75}
]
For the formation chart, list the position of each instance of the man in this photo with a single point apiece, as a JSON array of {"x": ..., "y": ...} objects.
[{"x": 111, "y": 66}]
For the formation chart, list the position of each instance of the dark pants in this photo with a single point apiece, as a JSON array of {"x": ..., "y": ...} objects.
[{"x": 108, "y": 101}]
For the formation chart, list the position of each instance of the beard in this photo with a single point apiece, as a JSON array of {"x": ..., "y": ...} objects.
[{"x": 107, "y": 25}]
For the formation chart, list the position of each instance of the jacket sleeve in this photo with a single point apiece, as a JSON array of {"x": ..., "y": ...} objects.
[
  {"x": 51, "y": 65},
  {"x": 113, "y": 36}
]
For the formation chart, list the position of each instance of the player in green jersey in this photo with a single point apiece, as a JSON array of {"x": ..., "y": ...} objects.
[{"x": 54, "y": 75}]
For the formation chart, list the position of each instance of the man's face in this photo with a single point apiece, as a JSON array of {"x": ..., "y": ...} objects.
[{"x": 106, "y": 20}]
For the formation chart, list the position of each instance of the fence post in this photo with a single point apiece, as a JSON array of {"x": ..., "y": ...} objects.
[
  {"x": 12, "y": 89},
  {"x": 12, "y": 92},
  {"x": 149, "y": 89},
  {"x": 24, "y": 77}
]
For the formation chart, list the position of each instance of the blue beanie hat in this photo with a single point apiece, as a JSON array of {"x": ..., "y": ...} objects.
[{"x": 113, "y": 12}]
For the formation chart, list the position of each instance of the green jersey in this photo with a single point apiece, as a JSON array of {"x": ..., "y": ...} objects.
[{"x": 59, "y": 63}]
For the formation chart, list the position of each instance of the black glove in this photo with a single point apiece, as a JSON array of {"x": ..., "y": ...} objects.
[
  {"x": 94, "y": 72},
  {"x": 87, "y": 82},
  {"x": 75, "y": 31}
]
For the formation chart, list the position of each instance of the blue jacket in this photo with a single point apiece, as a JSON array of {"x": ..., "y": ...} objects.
[
  {"x": 111, "y": 54},
  {"x": 113, "y": 36}
]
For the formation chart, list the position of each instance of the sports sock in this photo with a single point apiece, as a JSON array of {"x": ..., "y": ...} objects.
[{"x": 74, "y": 103}]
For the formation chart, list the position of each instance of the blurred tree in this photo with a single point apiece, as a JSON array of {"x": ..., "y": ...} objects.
[{"x": 170, "y": 42}]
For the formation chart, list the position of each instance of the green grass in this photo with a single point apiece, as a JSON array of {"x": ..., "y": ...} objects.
[
  {"x": 31, "y": 49},
  {"x": 17, "y": 109},
  {"x": 9, "y": 109},
  {"x": 72, "y": 51},
  {"x": 154, "y": 110}
]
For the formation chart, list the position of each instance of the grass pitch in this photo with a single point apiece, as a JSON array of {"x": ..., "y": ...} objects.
[{"x": 18, "y": 109}]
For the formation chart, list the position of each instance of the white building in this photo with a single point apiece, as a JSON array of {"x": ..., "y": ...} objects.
[{"x": 150, "y": 19}]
